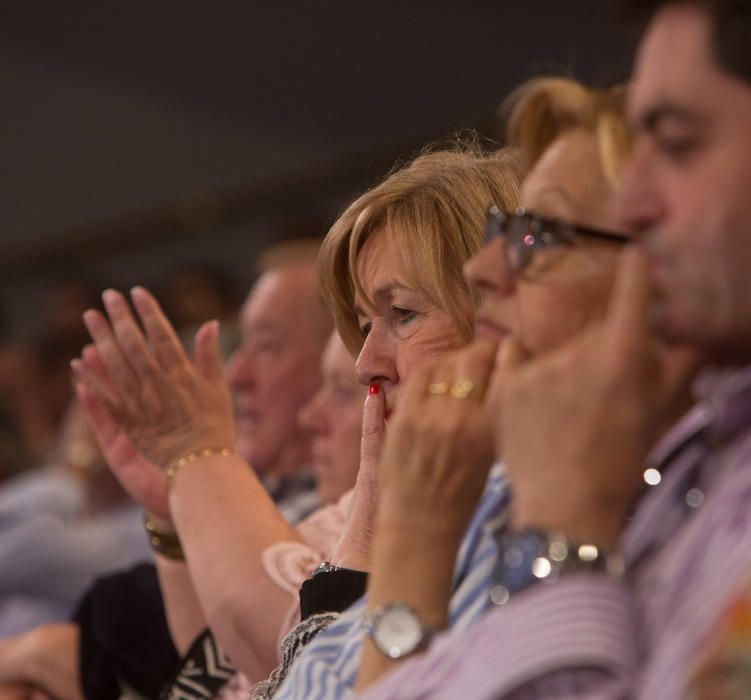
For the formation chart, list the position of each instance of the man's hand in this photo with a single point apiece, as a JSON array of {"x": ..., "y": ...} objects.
[
  {"x": 576, "y": 424},
  {"x": 41, "y": 662}
]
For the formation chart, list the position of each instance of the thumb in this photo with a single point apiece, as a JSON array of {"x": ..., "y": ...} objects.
[
  {"x": 628, "y": 316},
  {"x": 511, "y": 354},
  {"x": 208, "y": 357}
]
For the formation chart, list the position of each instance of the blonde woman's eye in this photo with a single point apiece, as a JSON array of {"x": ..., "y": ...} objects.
[{"x": 403, "y": 315}]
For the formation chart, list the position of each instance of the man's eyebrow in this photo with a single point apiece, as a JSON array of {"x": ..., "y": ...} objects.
[{"x": 651, "y": 118}]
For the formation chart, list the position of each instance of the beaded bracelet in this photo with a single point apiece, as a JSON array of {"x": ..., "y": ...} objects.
[
  {"x": 165, "y": 543},
  {"x": 192, "y": 457}
]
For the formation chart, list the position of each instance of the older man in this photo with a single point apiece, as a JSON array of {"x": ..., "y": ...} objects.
[{"x": 594, "y": 630}]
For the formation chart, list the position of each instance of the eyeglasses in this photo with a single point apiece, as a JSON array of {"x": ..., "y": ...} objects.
[{"x": 526, "y": 234}]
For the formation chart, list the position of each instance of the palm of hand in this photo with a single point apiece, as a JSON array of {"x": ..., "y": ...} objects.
[
  {"x": 142, "y": 479},
  {"x": 148, "y": 403}
]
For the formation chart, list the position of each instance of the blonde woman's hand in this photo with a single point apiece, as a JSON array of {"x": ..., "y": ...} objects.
[
  {"x": 439, "y": 446},
  {"x": 156, "y": 401},
  {"x": 353, "y": 549}
]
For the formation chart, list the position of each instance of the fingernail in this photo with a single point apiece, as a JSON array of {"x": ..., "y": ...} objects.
[
  {"x": 374, "y": 389},
  {"x": 109, "y": 296}
]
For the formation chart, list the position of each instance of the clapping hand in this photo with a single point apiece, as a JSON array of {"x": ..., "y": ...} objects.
[{"x": 148, "y": 403}]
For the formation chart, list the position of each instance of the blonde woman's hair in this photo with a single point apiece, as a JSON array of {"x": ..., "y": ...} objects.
[
  {"x": 433, "y": 211},
  {"x": 539, "y": 111}
]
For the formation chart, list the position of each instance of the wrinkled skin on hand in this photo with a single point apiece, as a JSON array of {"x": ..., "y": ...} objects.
[
  {"x": 439, "y": 448},
  {"x": 148, "y": 403},
  {"x": 40, "y": 664}
]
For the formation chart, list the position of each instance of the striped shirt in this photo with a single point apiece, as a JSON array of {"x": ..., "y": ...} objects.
[
  {"x": 328, "y": 668},
  {"x": 599, "y": 638}
]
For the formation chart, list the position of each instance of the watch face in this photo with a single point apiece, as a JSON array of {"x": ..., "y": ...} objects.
[{"x": 398, "y": 631}]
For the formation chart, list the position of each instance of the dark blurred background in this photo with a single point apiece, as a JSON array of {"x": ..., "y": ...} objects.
[{"x": 143, "y": 138}]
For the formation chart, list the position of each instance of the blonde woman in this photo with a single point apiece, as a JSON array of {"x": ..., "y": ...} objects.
[{"x": 439, "y": 197}]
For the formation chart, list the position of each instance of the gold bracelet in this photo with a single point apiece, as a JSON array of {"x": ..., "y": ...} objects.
[
  {"x": 192, "y": 457},
  {"x": 165, "y": 543}
]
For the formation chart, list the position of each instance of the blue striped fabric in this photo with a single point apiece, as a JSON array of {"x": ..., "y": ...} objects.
[{"x": 327, "y": 669}]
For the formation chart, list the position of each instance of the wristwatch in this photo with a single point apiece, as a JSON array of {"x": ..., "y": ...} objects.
[
  {"x": 396, "y": 630},
  {"x": 532, "y": 556}
]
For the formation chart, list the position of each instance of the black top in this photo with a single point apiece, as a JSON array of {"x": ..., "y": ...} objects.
[
  {"x": 331, "y": 591},
  {"x": 124, "y": 636}
]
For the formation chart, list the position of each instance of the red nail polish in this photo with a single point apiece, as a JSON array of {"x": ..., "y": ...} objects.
[{"x": 374, "y": 389}]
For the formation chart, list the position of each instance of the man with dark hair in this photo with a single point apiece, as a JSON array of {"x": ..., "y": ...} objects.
[{"x": 635, "y": 580}]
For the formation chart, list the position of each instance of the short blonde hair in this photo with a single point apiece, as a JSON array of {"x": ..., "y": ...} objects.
[
  {"x": 434, "y": 212},
  {"x": 539, "y": 111}
]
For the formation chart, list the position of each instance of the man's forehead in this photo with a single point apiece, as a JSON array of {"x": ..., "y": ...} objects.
[
  {"x": 673, "y": 63},
  {"x": 280, "y": 292}
]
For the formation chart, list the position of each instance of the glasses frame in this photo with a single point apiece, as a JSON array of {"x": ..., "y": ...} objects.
[{"x": 552, "y": 232}]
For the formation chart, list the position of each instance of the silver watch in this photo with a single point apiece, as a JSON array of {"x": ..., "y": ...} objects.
[{"x": 396, "y": 630}]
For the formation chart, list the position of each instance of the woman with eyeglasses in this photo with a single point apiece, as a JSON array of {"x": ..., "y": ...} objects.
[{"x": 545, "y": 273}]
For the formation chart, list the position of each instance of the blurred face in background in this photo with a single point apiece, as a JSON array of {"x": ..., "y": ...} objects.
[
  {"x": 333, "y": 417},
  {"x": 276, "y": 369}
]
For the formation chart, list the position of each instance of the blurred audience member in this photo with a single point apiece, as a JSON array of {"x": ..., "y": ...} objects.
[
  {"x": 194, "y": 293},
  {"x": 26, "y": 427},
  {"x": 61, "y": 526},
  {"x": 60, "y": 336}
]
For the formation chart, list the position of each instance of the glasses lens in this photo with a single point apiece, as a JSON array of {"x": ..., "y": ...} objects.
[{"x": 521, "y": 242}]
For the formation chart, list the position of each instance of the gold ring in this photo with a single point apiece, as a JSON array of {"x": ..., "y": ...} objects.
[
  {"x": 462, "y": 389},
  {"x": 438, "y": 388}
]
